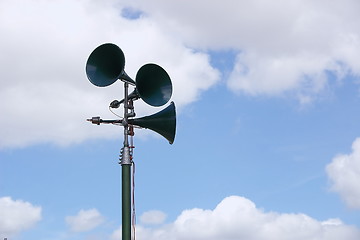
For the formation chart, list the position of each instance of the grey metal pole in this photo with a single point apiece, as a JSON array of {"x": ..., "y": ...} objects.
[{"x": 126, "y": 173}]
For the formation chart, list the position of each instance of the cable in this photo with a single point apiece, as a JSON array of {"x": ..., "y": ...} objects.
[
  {"x": 133, "y": 184},
  {"x": 133, "y": 202},
  {"x": 114, "y": 112}
]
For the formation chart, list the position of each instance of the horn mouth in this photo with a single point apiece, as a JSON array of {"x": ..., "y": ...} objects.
[
  {"x": 153, "y": 85},
  {"x": 105, "y": 65}
]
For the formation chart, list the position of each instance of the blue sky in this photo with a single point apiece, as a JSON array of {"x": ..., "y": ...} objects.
[{"x": 267, "y": 143}]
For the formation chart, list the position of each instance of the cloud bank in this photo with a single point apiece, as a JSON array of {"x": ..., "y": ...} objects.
[
  {"x": 238, "y": 218},
  {"x": 45, "y": 95},
  {"x": 283, "y": 47},
  {"x": 17, "y": 216},
  {"x": 344, "y": 174}
]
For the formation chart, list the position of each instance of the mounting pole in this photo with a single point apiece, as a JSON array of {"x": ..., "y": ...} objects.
[
  {"x": 126, "y": 173},
  {"x": 104, "y": 66}
]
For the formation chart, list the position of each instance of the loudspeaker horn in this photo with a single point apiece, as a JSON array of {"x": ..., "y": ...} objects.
[
  {"x": 163, "y": 122},
  {"x": 105, "y": 65},
  {"x": 153, "y": 85}
]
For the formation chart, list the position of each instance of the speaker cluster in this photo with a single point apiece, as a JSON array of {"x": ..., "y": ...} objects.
[{"x": 106, "y": 65}]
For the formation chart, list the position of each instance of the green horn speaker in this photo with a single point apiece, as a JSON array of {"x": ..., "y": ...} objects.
[
  {"x": 105, "y": 65},
  {"x": 163, "y": 122},
  {"x": 153, "y": 85}
]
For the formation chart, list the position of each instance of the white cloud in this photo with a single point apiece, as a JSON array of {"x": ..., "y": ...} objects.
[
  {"x": 17, "y": 216},
  {"x": 153, "y": 217},
  {"x": 45, "y": 95},
  {"x": 85, "y": 220},
  {"x": 344, "y": 173},
  {"x": 283, "y": 45},
  {"x": 238, "y": 218}
]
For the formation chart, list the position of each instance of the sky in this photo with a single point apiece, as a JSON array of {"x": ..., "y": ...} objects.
[{"x": 267, "y": 140}]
